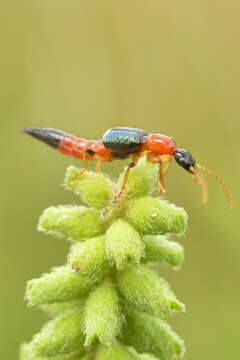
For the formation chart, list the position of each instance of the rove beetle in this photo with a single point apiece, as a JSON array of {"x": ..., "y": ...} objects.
[{"x": 122, "y": 142}]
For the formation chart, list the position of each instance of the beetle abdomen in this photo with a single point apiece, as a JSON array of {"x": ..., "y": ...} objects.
[{"x": 123, "y": 139}]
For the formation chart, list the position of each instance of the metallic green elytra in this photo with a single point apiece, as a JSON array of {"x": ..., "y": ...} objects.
[{"x": 123, "y": 139}]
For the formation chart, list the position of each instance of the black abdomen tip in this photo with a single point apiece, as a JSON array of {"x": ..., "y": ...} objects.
[{"x": 52, "y": 137}]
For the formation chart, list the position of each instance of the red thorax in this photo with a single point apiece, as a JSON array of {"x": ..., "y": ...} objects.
[{"x": 159, "y": 144}]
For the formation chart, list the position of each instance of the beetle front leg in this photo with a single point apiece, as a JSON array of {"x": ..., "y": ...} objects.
[
  {"x": 154, "y": 159},
  {"x": 168, "y": 160},
  {"x": 161, "y": 185}
]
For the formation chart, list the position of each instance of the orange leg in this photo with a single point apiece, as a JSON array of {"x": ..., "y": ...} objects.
[
  {"x": 98, "y": 166},
  {"x": 160, "y": 179},
  {"x": 168, "y": 160},
  {"x": 133, "y": 163},
  {"x": 162, "y": 171},
  {"x": 81, "y": 172}
]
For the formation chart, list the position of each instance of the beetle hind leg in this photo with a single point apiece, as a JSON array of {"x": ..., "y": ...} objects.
[
  {"x": 82, "y": 171},
  {"x": 98, "y": 166}
]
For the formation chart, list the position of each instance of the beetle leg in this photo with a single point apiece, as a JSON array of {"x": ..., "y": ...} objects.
[
  {"x": 130, "y": 166},
  {"x": 154, "y": 159},
  {"x": 98, "y": 166},
  {"x": 168, "y": 160},
  {"x": 161, "y": 185},
  {"x": 81, "y": 172}
]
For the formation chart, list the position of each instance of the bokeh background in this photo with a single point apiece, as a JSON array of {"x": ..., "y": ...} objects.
[{"x": 85, "y": 66}]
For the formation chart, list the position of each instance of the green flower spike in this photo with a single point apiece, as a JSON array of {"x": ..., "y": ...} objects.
[
  {"x": 123, "y": 243},
  {"x": 60, "y": 336},
  {"x": 158, "y": 248},
  {"x": 106, "y": 303},
  {"x": 103, "y": 317},
  {"x": 117, "y": 352},
  {"x": 26, "y": 353},
  {"x": 89, "y": 258},
  {"x": 147, "y": 291},
  {"x": 148, "y": 334}
]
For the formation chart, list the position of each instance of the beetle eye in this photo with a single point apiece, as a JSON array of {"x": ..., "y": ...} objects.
[{"x": 184, "y": 163}]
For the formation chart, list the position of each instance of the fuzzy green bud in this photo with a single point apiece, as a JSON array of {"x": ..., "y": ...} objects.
[
  {"x": 151, "y": 335},
  {"x": 89, "y": 257},
  {"x": 94, "y": 189},
  {"x": 103, "y": 318},
  {"x": 62, "y": 335},
  {"x": 117, "y": 352},
  {"x": 147, "y": 291},
  {"x": 123, "y": 243},
  {"x": 26, "y": 353},
  {"x": 55, "y": 309},
  {"x": 147, "y": 357},
  {"x": 60, "y": 285},
  {"x": 87, "y": 357},
  {"x": 141, "y": 356},
  {"x": 154, "y": 216},
  {"x": 142, "y": 179},
  {"x": 72, "y": 222},
  {"x": 158, "y": 248}
]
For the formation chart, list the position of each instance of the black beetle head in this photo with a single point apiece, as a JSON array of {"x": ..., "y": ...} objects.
[{"x": 185, "y": 159}]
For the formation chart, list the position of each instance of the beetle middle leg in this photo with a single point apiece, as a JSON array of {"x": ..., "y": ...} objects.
[{"x": 133, "y": 163}]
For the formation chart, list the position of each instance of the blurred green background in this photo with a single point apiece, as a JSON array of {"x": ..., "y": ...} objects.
[{"x": 85, "y": 66}]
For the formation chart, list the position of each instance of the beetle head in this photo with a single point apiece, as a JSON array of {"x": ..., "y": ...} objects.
[{"x": 185, "y": 159}]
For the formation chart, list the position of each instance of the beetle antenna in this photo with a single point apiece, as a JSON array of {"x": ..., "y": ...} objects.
[
  {"x": 220, "y": 180},
  {"x": 202, "y": 181}
]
